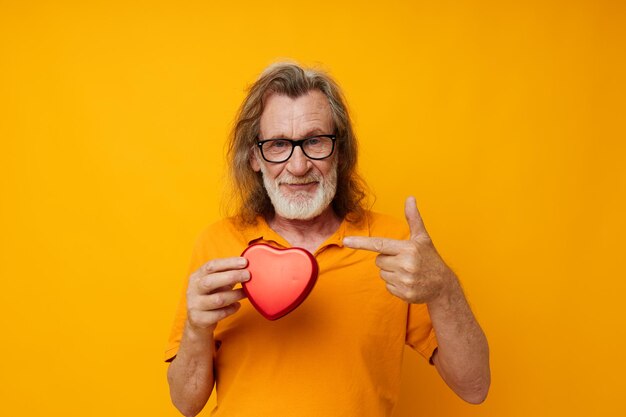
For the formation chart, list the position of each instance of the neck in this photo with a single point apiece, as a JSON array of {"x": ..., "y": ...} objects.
[{"x": 308, "y": 234}]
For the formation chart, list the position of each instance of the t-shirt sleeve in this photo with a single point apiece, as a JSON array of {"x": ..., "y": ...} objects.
[
  {"x": 198, "y": 258},
  {"x": 176, "y": 333},
  {"x": 420, "y": 334}
]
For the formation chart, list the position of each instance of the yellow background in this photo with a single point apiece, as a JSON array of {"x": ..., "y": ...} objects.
[{"x": 505, "y": 120}]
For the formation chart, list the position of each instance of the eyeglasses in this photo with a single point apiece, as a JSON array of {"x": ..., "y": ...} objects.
[{"x": 279, "y": 150}]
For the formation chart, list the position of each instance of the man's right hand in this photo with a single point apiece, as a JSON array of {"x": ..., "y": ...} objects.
[
  {"x": 210, "y": 298},
  {"x": 210, "y": 293}
]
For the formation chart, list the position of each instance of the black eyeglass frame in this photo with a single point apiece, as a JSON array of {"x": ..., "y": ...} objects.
[{"x": 299, "y": 143}]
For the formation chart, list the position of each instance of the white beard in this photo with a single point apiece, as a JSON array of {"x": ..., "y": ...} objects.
[{"x": 301, "y": 205}]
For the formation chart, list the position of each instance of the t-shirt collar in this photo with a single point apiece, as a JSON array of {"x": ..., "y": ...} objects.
[{"x": 261, "y": 231}]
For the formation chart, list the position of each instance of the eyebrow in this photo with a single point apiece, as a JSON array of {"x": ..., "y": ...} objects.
[{"x": 312, "y": 132}]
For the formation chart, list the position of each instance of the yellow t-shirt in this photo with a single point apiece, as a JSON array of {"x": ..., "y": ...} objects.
[{"x": 338, "y": 354}]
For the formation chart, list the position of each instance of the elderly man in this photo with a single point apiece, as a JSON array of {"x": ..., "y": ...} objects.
[{"x": 293, "y": 159}]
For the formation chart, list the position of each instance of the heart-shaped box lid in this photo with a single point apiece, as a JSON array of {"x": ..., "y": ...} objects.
[{"x": 280, "y": 279}]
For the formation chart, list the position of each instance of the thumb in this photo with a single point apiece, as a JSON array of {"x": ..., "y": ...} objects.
[{"x": 414, "y": 219}]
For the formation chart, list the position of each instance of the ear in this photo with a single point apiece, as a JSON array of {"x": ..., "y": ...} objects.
[{"x": 254, "y": 160}]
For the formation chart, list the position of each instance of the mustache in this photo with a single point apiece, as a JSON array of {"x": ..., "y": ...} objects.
[{"x": 291, "y": 179}]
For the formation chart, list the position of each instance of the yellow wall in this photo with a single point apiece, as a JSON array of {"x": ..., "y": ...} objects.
[{"x": 505, "y": 120}]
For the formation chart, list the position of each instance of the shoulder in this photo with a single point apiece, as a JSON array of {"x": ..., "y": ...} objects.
[
  {"x": 223, "y": 226},
  {"x": 385, "y": 225},
  {"x": 222, "y": 234}
]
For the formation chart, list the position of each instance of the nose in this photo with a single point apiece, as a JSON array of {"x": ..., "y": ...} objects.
[{"x": 298, "y": 164}]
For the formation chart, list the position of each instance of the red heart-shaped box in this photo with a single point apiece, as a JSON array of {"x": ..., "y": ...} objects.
[{"x": 280, "y": 279}]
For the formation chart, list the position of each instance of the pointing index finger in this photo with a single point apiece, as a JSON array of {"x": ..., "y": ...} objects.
[{"x": 375, "y": 244}]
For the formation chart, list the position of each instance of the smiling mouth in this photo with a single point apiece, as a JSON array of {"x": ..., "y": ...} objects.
[
  {"x": 299, "y": 183},
  {"x": 300, "y": 186}
]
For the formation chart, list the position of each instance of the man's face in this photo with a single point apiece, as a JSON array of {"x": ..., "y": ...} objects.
[{"x": 299, "y": 188}]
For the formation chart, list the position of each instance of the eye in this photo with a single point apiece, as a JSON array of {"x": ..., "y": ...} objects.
[
  {"x": 279, "y": 144},
  {"x": 314, "y": 141}
]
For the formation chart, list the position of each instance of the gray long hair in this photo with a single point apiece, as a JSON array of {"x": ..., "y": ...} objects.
[{"x": 249, "y": 197}]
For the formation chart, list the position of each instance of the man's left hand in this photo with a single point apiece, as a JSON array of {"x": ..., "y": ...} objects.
[{"x": 412, "y": 269}]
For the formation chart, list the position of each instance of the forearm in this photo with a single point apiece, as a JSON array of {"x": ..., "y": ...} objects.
[
  {"x": 462, "y": 357},
  {"x": 190, "y": 375}
]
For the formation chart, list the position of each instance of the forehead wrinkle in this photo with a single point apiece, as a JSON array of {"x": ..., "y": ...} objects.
[{"x": 296, "y": 118}]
